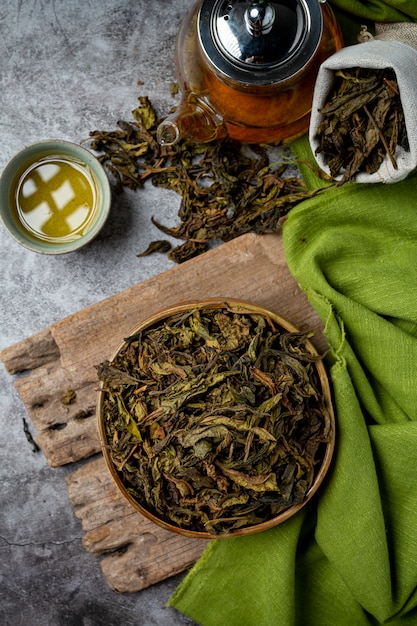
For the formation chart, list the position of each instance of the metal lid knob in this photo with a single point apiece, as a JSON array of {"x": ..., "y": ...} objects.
[
  {"x": 259, "y": 18},
  {"x": 259, "y": 42}
]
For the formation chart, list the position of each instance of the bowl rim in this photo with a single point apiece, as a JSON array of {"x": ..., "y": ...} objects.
[
  {"x": 15, "y": 167},
  {"x": 242, "y": 306}
]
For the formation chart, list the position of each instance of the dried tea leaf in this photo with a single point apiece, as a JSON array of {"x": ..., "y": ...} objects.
[
  {"x": 174, "y": 88},
  {"x": 161, "y": 245},
  {"x": 29, "y": 437},
  {"x": 187, "y": 250},
  {"x": 145, "y": 113},
  {"x": 69, "y": 397}
]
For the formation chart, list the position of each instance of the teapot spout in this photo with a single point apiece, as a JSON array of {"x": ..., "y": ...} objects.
[{"x": 194, "y": 119}]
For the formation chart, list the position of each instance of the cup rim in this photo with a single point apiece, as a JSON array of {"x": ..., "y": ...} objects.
[{"x": 15, "y": 167}]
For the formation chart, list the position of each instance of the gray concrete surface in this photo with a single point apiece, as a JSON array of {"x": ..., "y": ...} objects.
[{"x": 68, "y": 67}]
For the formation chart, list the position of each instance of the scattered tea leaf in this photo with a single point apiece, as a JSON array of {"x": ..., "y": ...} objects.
[
  {"x": 28, "y": 435},
  {"x": 226, "y": 188},
  {"x": 145, "y": 113},
  {"x": 69, "y": 397},
  {"x": 162, "y": 245},
  {"x": 187, "y": 250}
]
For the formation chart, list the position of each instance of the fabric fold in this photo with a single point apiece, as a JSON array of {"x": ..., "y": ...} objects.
[
  {"x": 245, "y": 580},
  {"x": 352, "y": 249},
  {"x": 350, "y": 556},
  {"x": 379, "y": 10},
  {"x": 359, "y": 254}
]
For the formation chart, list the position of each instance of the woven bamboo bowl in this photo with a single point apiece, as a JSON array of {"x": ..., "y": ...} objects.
[{"x": 321, "y": 471}]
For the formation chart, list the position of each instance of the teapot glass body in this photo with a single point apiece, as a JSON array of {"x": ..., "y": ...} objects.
[{"x": 216, "y": 103}]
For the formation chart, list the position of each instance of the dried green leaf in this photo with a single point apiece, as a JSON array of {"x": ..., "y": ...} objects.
[
  {"x": 69, "y": 397},
  {"x": 174, "y": 88},
  {"x": 161, "y": 245},
  {"x": 145, "y": 113}
]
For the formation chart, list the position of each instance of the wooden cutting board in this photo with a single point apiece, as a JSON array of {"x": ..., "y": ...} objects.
[{"x": 63, "y": 358}]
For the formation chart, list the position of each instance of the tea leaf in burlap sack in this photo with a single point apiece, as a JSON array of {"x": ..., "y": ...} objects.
[{"x": 393, "y": 47}]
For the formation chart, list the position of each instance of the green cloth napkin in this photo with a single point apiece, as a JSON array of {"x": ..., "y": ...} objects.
[
  {"x": 378, "y": 10},
  {"x": 349, "y": 558}
]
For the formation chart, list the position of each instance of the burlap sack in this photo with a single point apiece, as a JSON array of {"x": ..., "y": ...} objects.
[{"x": 394, "y": 46}]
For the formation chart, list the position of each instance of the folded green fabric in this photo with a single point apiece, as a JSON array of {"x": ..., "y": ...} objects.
[
  {"x": 352, "y": 14},
  {"x": 379, "y": 10},
  {"x": 349, "y": 558}
]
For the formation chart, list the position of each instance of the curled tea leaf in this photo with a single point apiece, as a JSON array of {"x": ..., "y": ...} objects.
[{"x": 162, "y": 245}]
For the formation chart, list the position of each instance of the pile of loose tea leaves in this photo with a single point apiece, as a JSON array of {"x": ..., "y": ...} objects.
[
  {"x": 215, "y": 418},
  {"x": 226, "y": 188},
  {"x": 363, "y": 122}
]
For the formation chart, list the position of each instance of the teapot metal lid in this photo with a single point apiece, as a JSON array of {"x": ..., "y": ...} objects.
[{"x": 260, "y": 42}]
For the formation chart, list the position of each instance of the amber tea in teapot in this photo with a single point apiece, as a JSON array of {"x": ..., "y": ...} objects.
[{"x": 247, "y": 69}]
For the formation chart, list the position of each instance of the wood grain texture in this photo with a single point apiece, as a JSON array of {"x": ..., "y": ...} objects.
[
  {"x": 32, "y": 352},
  {"x": 63, "y": 357},
  {"x": 138, "y": 553}
]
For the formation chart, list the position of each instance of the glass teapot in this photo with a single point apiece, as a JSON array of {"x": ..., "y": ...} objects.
[{"x": 247, "y": 69}]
